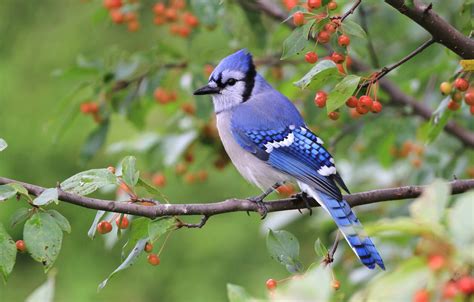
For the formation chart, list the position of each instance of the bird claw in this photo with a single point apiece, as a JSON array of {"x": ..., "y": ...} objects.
[
  {"x": 262, "y": 208},
  {"x": 304, "y": 197}
]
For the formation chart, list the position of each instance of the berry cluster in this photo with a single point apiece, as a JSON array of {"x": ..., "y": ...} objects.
[
  {"x": 455, "y": 90},
  {"x": 411, "y": 150},
  {"x": 181, "y": 22},
  {"x": 91, "y": 108},
  {"x": 452, "y": 289},
  {"x": 119, "y": 14},
  {"x": 359, "y": 106},
  {"x": 163, "y": 96}
]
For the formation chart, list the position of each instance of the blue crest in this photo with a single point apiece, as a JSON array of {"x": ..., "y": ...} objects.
[{"x": 240, "y": 60}]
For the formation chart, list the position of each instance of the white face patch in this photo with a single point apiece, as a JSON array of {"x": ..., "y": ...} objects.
[
  {"x": 277, "y": 144},
  {"x": 212, "y": 84},
  {"x": 231, "y": 74},
  {"x": 231, "y": 95},
  {"x": 326, "y": 171}
]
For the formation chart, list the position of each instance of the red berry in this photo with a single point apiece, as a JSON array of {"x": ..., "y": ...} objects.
[
  {"x": 202, "y": 175},
  {"x": 298, "y": 18},
  {"x": 450, "y": 290},
  {"x": 171, "y": 14},
  {"x": 153, "y": 259},
  {"x": 351, "y": 102},
  {"x": 336, "y": 284},
  {"x": 104, "y": 227},
  {"x": 365, "y": 101},
  {"x": 286, "y": 190},
  {"x": 158, "y": 20},
  {"x": 117, "y": 16},
  {"x": 362, "y": 109},
  {"x": 334, "y": 115},
  {"x": 469, "y": 97},
  {"x": 343, "y": 40},
  {"x": 466, "y": 285},
  {"x": 271, "y": 284},
  {"x": 110, "y": 4},
  {"x": 159, "y": 180},
  {"x": 457, "y": 96},
  {"x": 461, "y": 84},
  {"x": 324, "y": 36},
  {"x": 337, "y": 57},
  {"x": 191, "y": 19},
  {"x": 161, "y": 95},
  {"x": 188, "y": 108},
  {"x": 159, "y": 8},
  {"x": 311, "y": 57},
  {"x": 290, "y": 4},
  {"x": 20, "y": 246},
  {"x": 330, "y": 27},
  {"x": 471, "y": 109},
  {"x": 376, "y": 107},
  {"x": 320, "y": 99},
  {"x": 122, "y": 223},
  {"x": 436, "y": 262},
  {"x": 445, "y": 88},
  {"x": 148, "y": 247},
  {"x": 313, "y": 4},
  {"x": 453, "y": 105},
  {"x": 421, "y": 295},
  {"x": 332, "y": 5},
  {"x": 133, "y": 26}
]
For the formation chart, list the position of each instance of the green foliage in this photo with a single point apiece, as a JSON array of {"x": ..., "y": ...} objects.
[
  {"x": 84, "y": 183},
  {"x": 341, "y": 92},
  {"x": 285, "y": 249},
  {"x": 7, "y": 253}
]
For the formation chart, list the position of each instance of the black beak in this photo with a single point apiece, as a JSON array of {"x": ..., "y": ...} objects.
[{"x": 206, "y": 90}]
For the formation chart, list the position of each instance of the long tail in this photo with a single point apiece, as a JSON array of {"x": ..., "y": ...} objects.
[{"x": 350, "y": 227}]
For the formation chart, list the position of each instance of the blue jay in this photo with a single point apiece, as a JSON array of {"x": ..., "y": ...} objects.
[{"x": 268, "y": 142}]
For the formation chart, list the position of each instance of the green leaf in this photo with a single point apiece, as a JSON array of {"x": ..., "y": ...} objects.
[
  {"x": 20, "y": 189},
  {"x": 20, "y": 216},
  {"x": 351, "y": 28},
  {"x": 461, "y": 224},
  {"x": 88, "y": 181},
  {"x": 129, "y": 173},
  {"x": 319, "y": 75},
  {"x": 43, "y": 238},
  {"x": 160, "y": 226},
  {"x": 320, "y": 249},
  {"x": 3, "y": 144},
  {"x": 206, "y": 11},
  {"x": 148, "y": 187},
  {"x": 284, "y": 248},
  {"x": 62, "y": 221},
  {"x": 437, "y": 122},
  {"x": 173, "y": 146},
  {"x": 94, "y": 141},
  {"x": 6, "y": 192},
  {"x": 237, "y": 293},
  {"x": 343, "y": 90},
  {"x": 430, "y": 206},
  {"x": 93, "y": 228},
  {"x": 46, "y": 197},
  {"x": 403, "y": 225},
  {"x": 45, "y": 292},
  {"x": 7, "y": 253},
  {"x": 295, "y": 43},
  {"x": 138, "y": 230},
  {"x": 137, "y": 250}
]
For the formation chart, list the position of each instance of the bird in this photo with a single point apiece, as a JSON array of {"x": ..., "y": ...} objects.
[{"x": 269, "y": 143}]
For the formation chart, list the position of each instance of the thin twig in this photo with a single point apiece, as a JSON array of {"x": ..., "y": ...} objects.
[
  {"x": 330, "y": 255},
  {"x": 199, "y": 225},
  {"x": 351, "y": 10}
]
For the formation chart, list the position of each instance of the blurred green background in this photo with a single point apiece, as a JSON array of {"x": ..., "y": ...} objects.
[{"x": 38, "y": 37}]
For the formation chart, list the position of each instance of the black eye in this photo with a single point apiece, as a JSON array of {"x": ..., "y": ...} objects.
[{"x": 231, "y": 82}]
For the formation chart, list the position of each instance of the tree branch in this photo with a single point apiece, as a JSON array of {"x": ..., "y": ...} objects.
[
  {"x": 233, "y": 205},
  {"x": 396, "y": 95},
  {"x": 441, "y": 31}
]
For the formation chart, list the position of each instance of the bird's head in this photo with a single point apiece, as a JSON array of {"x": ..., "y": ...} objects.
[{"x": 232, "y": 81}]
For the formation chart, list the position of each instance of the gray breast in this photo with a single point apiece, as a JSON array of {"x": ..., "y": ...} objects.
[{"x": 252, "y": 169}]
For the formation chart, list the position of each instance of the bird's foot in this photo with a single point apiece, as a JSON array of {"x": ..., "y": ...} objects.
[
  {"x": 305, "y": 198},
  {"x": 262, "y": 208}
]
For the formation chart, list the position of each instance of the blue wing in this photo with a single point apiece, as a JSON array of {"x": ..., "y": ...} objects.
[{"x": 295, "y": 151}]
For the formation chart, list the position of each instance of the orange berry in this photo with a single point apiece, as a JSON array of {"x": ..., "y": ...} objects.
[
  {"x": 471, "y": 109},
  {"x": 337, "y": 57},
  {"x": 298, "y": 18},
  {"x": 20, "y": 246},
  {"x": 161, "y": 96},
  {"x": 190, "y": 19},
  {"x": 111, "y": 4},
  {"x": 469, "y": 97},
  {"x": 159, "y": 8},
  {"x": 461, "y": 84},
  {"x": 354, "y": 113},
  {"x": 178, "y": 4},
  {"x": 334, "y": 115},
  {"x": 148, "y": 247},
  {"x": 466, "y": 284},
  {"x": 332, "y": 5},
  {"x": 159, "y": 180},
  {"x": 336, "y": 284},
  {"x": 188, "y": 108},
  {"x": 416, "y": 162},
  {"x": 130, "y": 16},
  {"x": 271, "y": 284},
  {"x": 376, "y": 107},
  {"x": 362, "y": 109},
  {"x": 311, "y": 57},
  {"x": 181, "y": 168},
  {"x": 340, "y": 68},
  {"x": 365, "y": 101},
  {"x": 117, "y": 16},
  {"x": 457, "y": 96},
  {"x": 320, "y": 99},
  {"x": 104, "y": 227},
  {"x": 343, "y": 40},
  {"x": 290, "y": 4},
  {"x": 453, "y": 105},
  {"x": 351, "y": 102},
  {"x": 445, "y": 88},
  {"x": 171, "y": 14},
  {"x": 173, "y": 96},
  {"x": 421, "y": 295},
  {"x": 153, "y": 259},
  {"x": 314, "y": 4},
  {"x": 330, "y": 27},
  {"x": 111, "y": 169},
  {"x": 324, "y": 36},
  {"x": 208, "y": 69},
  {"x": 202, "y": 175},
  {"x": 158, "y": 20},
  {"x": 450, "y": 290},
  {"x": 122, "y": 222},
  {"x": 436, "y": 262},
  {"x": 133, "y": 26},
  {"x": 190, "y": 178},
  {"x": 286, "y": 190},
  {"x": 184, "y": 31},
  {"x": 85, "y": 108}
]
